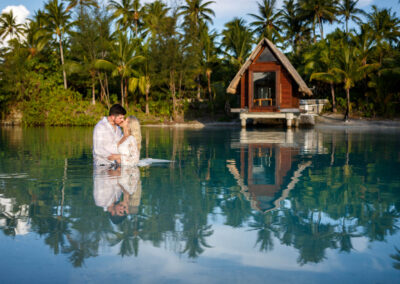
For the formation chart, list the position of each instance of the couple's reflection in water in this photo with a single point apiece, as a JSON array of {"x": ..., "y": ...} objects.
[{"x": 117, "y": 190}]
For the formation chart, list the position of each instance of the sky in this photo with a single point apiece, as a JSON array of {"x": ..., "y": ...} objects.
[{"x": 225, "y": 10}]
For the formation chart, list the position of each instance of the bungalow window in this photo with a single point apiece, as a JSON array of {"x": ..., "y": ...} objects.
[{"x": 264, "y": 86}]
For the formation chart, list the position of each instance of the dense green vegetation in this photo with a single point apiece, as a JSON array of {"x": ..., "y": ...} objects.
[{"x": 167, "y": 61}]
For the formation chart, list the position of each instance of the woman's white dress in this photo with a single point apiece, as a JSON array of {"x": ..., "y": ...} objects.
[{"x": 130, "y": 154}]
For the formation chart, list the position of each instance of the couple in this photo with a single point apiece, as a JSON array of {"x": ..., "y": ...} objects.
[{"x": 113, "y": 148}]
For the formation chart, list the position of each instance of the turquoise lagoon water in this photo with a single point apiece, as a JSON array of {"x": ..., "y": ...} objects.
[{"x": 306, "y": 206}]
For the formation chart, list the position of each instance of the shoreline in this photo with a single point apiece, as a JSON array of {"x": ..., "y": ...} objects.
[
  {"x": 336, "y": 121},
  {"x": 321, "y": 121}
]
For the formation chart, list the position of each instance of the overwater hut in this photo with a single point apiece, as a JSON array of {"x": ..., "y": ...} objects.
[{"x": 269, "y": 86}]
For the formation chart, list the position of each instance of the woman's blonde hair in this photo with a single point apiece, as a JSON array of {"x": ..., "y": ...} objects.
[{"x": 134, "y": 130}]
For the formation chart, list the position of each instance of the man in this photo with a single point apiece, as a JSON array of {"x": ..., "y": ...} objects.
[{"x": 106, "y": 136}]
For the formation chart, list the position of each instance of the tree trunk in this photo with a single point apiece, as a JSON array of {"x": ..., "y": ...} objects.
[
  {"x": 62, "y": 63},
  {"x": 209, "y": 83},
  {"x": 347, "y": 115},
  {"x": 333, "y": 97},
  {"x": 122, "y": 92},
  {"x": 93, "y": 88},
  {"x": 102, "y": 90},
  {"x": 198, "y": 88},
  {"x": 313, "y": 29},
  {"x": 107, "y": 90},
  {"x": 321, "y": 28},
  {"x": 126, "y": 92}
]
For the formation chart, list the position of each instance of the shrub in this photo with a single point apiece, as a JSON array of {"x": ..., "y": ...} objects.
[{"x": 51, "y": 104}]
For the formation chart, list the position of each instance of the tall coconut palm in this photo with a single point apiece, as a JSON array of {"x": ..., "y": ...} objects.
[
  {"x": 364, "y": 42},
  {"x": 209, "y": 56},
  {"x": 9, "y": 26},
  {"x": 267, "y": 22},
  {"x": 349, "y": 69},
  {"x": 35, "y": 40},
  {"x": 318, "y": 12},
  {"x": 348, "y": 9},
  {"x": 385, "y": 26},
  {"x": 325, "y": 57},
  {"x": 59, "y": 23},
  {"x": 123, "y": 59},
  {"x": 154, "y": 15},
  {"x": 197, "y": 12},
  {"x": 81, "y": 4},
  {"x": 294, "y": 26},
  {"x": 237, "y": 40},
  {"x": 123, "y": 12},
  {"x": 138, "y": 14}
]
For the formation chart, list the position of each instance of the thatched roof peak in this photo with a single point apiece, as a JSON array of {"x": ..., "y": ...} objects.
[{"x": 280, "y": 56}]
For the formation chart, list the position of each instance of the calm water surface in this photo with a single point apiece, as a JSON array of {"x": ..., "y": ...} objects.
[{"x": 305, "y": 206}]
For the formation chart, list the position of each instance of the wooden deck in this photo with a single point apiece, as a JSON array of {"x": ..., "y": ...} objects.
[{"x": 291, "y": 116}]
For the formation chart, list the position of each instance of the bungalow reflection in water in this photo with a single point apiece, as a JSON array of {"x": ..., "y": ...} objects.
[{"x": 271, "y": 163}]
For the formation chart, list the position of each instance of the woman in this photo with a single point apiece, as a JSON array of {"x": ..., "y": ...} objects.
[{"x": 130, "y": 144}]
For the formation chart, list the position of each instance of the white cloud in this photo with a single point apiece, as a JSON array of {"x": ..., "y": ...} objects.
[{"x": 20, "y": 12}]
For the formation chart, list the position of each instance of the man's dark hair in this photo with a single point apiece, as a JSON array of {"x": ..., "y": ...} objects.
[{"x": 117, "y": 109}]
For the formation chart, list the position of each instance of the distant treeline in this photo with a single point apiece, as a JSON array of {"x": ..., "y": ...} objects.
[{"x": 166, "y": 60}]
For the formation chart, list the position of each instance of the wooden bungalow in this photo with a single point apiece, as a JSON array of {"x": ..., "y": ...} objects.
[{"x": 269, "y": 86}]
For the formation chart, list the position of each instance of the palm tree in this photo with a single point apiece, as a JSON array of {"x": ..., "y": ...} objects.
[
  {"x": 154, "y": 17},
  {"x": 293, "y": 24},
  {"x": 138, "y": 13},
  {"x": 209, "y": 56},
  {"x": 35, "y": 39},
  {"x": 347, "y": 8},
  {"x": 124, "y": 12},
  {"x": 197, "y": 12},
  {"x": 58, "y": 23},
  {"x": 81, "y": 4},
  {"x": 9, "y": 26},
  {"x": 124, "y": 57},
  {"x": 385, "y": 26},
  {"x": 267, "y": 23},
  {"x": 364, "y": 42},
  {"x": 326, "y": 56},
  {"x": 237, "y": 40},
  {"x": 349, "y": 70},
  {"x": 196, "y": 15},
  {"x": 318, "y": 12},
  {"x": 143, "y": 84}
]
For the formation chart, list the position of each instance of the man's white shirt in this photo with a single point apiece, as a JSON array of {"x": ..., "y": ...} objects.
[{"x": 105, "y": 141}]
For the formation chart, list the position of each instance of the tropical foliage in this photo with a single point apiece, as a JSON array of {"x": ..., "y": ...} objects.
[{"x": 167, "y": 61}]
